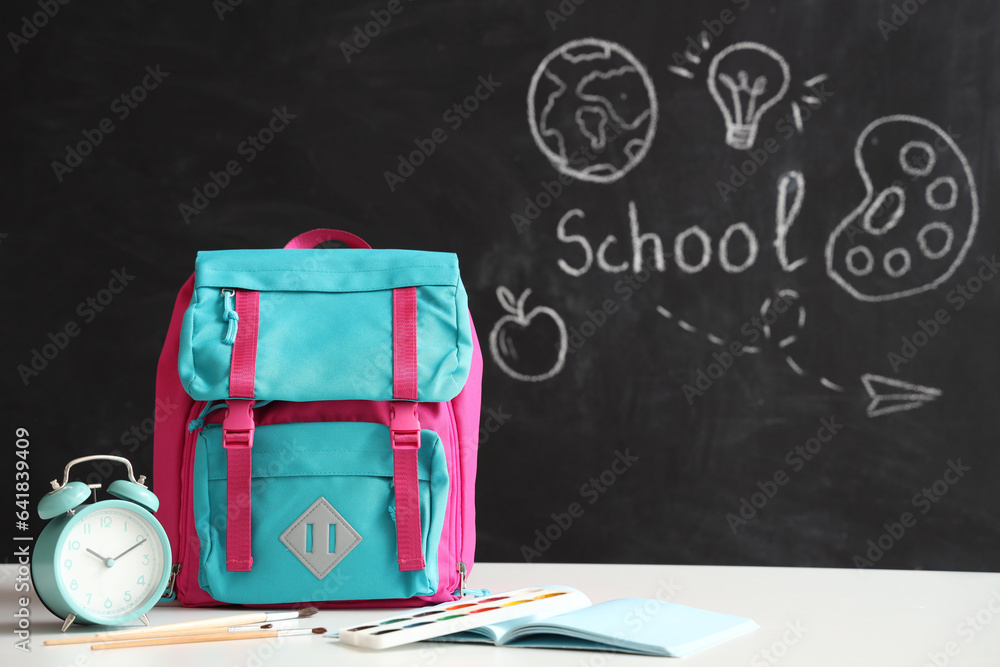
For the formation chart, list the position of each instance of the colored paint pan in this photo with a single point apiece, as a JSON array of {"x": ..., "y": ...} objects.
[
  {"x": 479, "y": 611},
  {"x": 393, "y": 620},
  {"x": 462, "y": 615}
]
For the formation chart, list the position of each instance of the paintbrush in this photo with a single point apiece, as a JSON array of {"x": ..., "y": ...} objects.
[
  {"x": 181, "y": 632},
  {"x": 219, "y": 637},
  {"x": 217, "y": 623}
]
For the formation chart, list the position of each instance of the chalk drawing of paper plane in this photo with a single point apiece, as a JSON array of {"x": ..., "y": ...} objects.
[{"x": 889, "y": 395}]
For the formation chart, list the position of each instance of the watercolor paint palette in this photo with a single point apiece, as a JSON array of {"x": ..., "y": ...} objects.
[{"x": 457, "y": 616}]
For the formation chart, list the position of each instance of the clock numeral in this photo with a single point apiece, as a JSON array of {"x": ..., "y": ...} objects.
[
  {"x": 74, "y": 545},
  {"x": 105, "y": 522},
  {"x": 67, "y": 563},
  {"x": 139, "y": 538},
  {"x": 141, "y": 580},
  {"x": 145, "y": 559},
  {"x": 89, "y": 595},
  {"x": 126, "y": 526},
  {"x": 108, "y": 603},
  {"x": 86, "y": 529},
  {"x": 73, "y": 585},
  {"x": 127, "y": 597}
]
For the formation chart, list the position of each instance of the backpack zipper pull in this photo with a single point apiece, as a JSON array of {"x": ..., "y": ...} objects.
[
  {"x": 169, "y": 595},
  {"x": 461, "y": 579},
  {"x": 229, "y": 314}
]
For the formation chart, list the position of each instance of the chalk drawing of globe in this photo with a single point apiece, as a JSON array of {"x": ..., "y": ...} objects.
[{"x": 592, "y": 110}]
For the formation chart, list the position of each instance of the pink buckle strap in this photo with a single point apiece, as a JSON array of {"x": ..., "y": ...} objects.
[
  {"x": 237, "y": 433},
  {"x": 404, "y": 433},
  {"x": 404, "y": 429},
  {"x": 237, "y": 439}
]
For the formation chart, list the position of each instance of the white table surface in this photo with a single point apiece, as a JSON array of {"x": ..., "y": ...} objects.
[{"x": 810, "y": 617}]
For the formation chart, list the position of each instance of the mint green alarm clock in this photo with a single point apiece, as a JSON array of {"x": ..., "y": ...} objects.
[{"x": 106, "y": 562}]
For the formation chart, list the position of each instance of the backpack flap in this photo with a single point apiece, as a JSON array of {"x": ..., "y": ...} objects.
[{"x": 324, "y": 323}]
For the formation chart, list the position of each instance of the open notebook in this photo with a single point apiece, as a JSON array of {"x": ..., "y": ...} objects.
[{"x": 631, "y": 625}]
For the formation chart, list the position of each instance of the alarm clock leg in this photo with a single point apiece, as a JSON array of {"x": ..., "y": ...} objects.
[
  {"x": 68, "y": 622},
  {"x": 145, "y": 621}
]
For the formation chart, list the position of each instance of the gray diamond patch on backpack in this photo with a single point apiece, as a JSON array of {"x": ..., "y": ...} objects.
[{"x": 320, "y": 538}]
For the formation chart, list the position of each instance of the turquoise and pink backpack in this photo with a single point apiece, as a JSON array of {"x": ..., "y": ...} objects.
[{"x": 318, "y": 427}]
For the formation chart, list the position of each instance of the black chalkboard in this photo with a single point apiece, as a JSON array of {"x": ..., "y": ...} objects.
[{"x": 735, "y": 348}]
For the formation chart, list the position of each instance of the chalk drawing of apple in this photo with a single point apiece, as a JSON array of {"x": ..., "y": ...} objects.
[{"x": 528, "y": 347}]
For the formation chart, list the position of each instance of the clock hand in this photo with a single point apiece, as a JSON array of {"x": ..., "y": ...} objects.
[
  {"x": 130, "y": 548},
  {"x": 107, "y": 561}
]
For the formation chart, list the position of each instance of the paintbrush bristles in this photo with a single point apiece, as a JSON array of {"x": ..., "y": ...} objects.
[{"x": 308, "y": 611}]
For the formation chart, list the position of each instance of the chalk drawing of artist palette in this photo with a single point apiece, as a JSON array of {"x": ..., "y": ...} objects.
[
  {"x": 459, "y": 615},
  {"x": 915, "y": 226}
]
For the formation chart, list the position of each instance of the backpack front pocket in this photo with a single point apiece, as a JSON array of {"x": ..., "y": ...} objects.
[{"x": 323, "y": 514}]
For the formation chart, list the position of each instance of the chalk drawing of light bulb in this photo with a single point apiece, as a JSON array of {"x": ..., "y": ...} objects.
[{"x": 752, "y": 78}]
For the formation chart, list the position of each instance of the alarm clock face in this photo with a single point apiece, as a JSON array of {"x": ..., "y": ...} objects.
[{"x": 111, "y": 562}]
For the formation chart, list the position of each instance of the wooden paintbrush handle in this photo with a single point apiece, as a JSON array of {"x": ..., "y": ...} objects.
[
  {"x": 164, "y": 641},
  {"x": 225, "y": 621},
  {"x": 181, "y": 632}
]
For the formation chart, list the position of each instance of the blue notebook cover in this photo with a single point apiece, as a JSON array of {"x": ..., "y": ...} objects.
[{"x": 631, "y": 625}]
